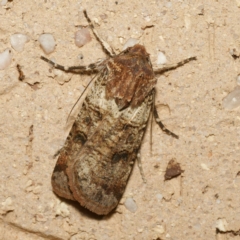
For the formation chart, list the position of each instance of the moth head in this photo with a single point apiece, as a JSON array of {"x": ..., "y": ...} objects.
[{"x": 137, "y": 50}]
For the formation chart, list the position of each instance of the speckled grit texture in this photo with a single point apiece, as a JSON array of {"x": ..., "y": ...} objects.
[{"x": 204, "y": 201}]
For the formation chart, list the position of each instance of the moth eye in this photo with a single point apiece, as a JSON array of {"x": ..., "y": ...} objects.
[
  {"x": 80, "y": 137},
  {"x": 120, "y": 156}
]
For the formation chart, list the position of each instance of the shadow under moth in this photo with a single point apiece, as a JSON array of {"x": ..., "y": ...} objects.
[{"x": 95, "y": 163}]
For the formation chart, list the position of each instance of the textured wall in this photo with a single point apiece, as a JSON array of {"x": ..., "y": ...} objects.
[{"x": 203, "y": 202}]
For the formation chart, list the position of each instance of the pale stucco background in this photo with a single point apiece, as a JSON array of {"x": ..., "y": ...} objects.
[{"x": 204, "y": 202}]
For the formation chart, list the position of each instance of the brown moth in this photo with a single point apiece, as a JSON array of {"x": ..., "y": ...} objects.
[{"x": 98, "y": 156}]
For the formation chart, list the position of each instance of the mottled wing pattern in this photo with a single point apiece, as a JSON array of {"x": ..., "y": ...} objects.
[
  {"x": 101, "y": 168},
  {"x": 97, "y": 159},
  {"x": 84, "y": 125}
]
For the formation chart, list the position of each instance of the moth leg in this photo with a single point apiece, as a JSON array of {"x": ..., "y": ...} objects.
[
  {"x": 160, "y": 124},
  {"x": 140, "y": 167},
  {"x": 94, "y": 67},
  {"x": 172, "y": 66},
  {"x": 107, "y": 48}
]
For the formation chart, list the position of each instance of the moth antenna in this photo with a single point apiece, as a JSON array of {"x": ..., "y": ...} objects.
[
  {"x": 169, "y": 67},
  {"x": 106, "y": 47},
  {"x": 91, "y": 68}
]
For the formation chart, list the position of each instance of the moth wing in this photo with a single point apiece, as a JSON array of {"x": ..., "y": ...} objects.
[
  {"x": 84, "y": 125},
  {"x": 101, "y": 169}
]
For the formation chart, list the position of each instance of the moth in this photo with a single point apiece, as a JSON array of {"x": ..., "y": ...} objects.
[{"x": 95, "y": 163}]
